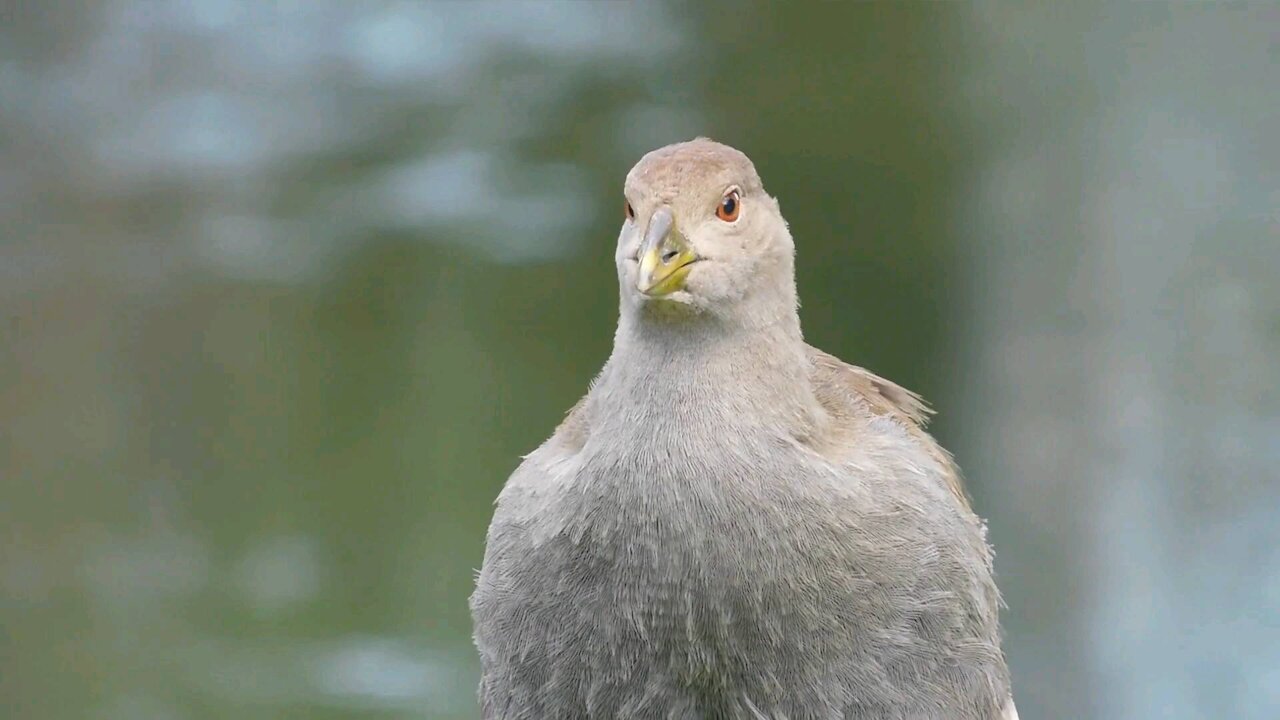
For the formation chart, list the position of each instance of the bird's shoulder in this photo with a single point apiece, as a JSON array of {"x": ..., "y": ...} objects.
[
  {"x": 842, "y": 388},
  {"x": 849, "y": 394},
  {"x": 835, "y": 379},
  {"x": 571, "y": 433},
  {"x": 552, "y": 461}
]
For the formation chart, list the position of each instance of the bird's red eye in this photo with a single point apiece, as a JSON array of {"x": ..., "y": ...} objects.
[
  {"x": 631, "y": 214},
  {"x": 729, "y": 207}
]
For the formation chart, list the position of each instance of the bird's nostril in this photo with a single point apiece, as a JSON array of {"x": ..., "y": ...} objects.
[{"x": 669, "y": 256}]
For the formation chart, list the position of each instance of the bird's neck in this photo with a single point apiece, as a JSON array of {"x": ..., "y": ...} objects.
[{"x": 700, "y": 374}]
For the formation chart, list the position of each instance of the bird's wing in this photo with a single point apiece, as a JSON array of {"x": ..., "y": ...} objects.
[
  {"x": 881, "y": 395},
  {"x": 835, "y": 379},
  {"x": 572, "y": 431},
  {"x": 1010, "y": 712}
]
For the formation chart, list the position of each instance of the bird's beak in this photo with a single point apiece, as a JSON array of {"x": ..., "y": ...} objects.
[{"x": 665, "y": 256}]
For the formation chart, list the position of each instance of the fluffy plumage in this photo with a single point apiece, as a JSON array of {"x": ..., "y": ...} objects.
[{"x": 733, "y": 524}]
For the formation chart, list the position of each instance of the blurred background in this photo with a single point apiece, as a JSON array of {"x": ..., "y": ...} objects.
[{"x": 287, "y": 288}]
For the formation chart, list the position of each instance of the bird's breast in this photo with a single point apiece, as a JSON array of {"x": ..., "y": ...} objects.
[{"x": 694, "y": 548}]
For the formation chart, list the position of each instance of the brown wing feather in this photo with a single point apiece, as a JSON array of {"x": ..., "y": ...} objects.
[
  {"x": 572, "y": 431},
  {"x": 833, "y": 378}
]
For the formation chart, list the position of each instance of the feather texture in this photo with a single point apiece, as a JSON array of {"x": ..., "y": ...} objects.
[{"x": 731, "y": 523}]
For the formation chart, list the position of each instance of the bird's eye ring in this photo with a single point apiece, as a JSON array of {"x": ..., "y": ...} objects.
[
  {"x": 729, "y": 206},
  {"x": 631, "y": 213}
]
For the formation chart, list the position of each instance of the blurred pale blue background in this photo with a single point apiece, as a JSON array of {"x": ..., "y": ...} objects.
[{"x": 287, "y": 287}]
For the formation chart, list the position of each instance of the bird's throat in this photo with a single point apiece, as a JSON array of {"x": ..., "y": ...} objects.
[{"x": 682, "y": 378}]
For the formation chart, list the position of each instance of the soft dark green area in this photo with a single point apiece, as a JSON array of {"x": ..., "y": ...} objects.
[{"x": 287, "y": 290}]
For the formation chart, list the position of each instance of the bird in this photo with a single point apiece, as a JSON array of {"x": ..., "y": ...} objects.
[{"x": 732, "y": 523}]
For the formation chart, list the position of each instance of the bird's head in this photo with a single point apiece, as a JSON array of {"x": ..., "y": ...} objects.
[{"x": 702, "y": 237}]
